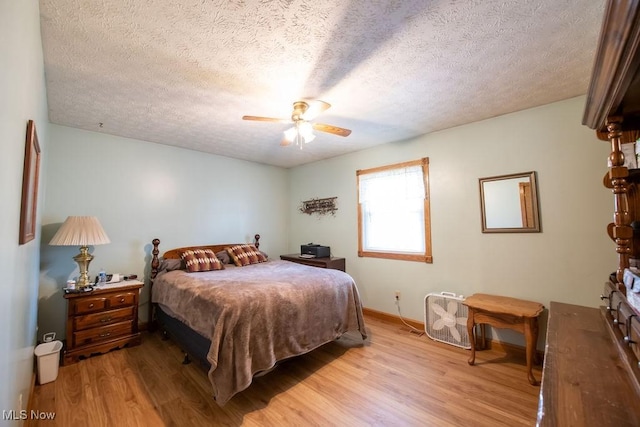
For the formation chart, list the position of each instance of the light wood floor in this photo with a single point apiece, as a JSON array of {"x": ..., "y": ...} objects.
[{"x": 396, "y": 378}]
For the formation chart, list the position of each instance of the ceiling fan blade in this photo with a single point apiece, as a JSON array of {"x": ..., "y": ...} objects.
[
  {"x": 315, "y": 108},
  {"x": 266, "y": 119},
  {"x": 331, "y": 129}
]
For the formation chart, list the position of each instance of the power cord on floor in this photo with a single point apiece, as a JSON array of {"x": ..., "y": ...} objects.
[{"x": 411, "y": 328}]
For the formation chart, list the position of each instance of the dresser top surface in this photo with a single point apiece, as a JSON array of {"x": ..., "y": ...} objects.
[
  {"x": 113, "y": 287},
  {"x": 297, "y": 256},
  {"x": 583, "y": 381}
]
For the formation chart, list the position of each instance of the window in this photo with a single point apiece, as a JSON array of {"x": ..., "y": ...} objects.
[{"x": 393, "y": 212}]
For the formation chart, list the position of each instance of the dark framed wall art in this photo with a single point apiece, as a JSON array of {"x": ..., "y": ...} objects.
[{"x": 30, "y": 177}]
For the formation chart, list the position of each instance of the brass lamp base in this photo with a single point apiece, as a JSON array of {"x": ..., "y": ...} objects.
[{"x": 83, "y": 259}]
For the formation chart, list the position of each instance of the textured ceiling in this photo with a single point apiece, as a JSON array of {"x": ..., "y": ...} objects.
[{"x": 184, "y": 72}]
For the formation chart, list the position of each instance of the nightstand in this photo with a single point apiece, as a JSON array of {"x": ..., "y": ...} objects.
[
  {"x": 101, "y": 320},
  {"x": 327, "y": 262}
]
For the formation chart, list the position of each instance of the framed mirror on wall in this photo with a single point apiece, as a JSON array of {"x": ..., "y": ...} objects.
[{"x": 509, "y": 203}]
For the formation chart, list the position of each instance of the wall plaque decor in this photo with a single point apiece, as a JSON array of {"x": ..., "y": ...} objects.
[
  {"x": 30, "y": 176},
  {"x": 319, "y": 206}
]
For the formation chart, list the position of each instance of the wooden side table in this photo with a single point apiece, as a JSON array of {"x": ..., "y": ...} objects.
[
  {"x": 505, "y": 312},
  {"x": 101, "y": 320},
  {"x": 325, "y": 262}
]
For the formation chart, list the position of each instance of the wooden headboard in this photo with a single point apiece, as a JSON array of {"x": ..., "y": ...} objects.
[{"x": 175, "y": 254}]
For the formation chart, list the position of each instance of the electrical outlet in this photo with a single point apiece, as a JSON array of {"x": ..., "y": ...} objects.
[{"x": 397, "y": 295}]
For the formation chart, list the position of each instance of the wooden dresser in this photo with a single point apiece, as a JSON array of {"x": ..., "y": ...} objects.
[
  {"x": 591, "y": 375},
  {"x": 584, "y": 381},
  {"x": 101, "y": 320},
  {"x": 327, "y": 262}
]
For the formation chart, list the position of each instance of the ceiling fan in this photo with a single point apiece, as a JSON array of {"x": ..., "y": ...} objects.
[{"x": 302, "y": 131}]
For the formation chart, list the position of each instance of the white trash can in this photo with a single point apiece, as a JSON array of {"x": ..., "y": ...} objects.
[{"x": 48, "y": 358}]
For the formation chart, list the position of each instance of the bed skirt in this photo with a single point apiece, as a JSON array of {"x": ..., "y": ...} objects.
[{"x": 189, "y": 341}]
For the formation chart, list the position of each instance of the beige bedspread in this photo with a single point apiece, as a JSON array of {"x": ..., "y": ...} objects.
[{"x": 260, "y": 314}]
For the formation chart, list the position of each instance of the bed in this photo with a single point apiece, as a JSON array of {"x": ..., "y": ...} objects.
[{"x": 239, "y": 321}]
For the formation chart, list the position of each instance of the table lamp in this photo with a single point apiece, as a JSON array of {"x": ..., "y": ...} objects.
[{"x": 81, "y": 231}]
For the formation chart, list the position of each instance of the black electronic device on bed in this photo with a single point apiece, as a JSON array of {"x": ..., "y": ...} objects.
[{"x": 317, "y": 251}]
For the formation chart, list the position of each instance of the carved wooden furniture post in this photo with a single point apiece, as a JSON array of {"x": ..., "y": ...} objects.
[
  {"x": 155, "y": 262},
  {"x": 155, "y": 265},
  {"x": 622, "y": 231}
]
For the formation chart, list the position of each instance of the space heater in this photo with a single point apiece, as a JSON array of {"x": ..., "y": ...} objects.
[{"x": 445, "y": 319}]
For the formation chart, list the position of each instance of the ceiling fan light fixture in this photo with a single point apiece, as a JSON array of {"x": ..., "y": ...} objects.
[
  {"x": 290, "y": 134},
  {"x": 301, "y": 133},
  {"x": 306, "y": 131}
]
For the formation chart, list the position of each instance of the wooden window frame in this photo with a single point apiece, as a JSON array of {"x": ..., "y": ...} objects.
[{"x": 427, "y": 256}]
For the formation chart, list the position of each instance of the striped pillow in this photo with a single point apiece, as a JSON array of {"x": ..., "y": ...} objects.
[
  {"x": 201, "y": 260},
  {"x": 245, "y": 255}
]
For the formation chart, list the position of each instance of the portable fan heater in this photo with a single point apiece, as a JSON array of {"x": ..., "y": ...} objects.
[{"x": 445, "y": 319}]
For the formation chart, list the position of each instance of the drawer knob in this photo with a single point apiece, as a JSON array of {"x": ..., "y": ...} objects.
[
  {"x": 105, "y": 334},
  {"x": 627, "y": 337},
  {"x": 91, "y": 305},
  {"x": 121, "y": 299},
  {"x": 108, "y": 319}
]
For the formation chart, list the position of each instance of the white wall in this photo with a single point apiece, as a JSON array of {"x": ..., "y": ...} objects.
[
  {"x": 22, "y": 91},
  {"x": 568, "y": 262},
  {"x": 140, "y": 191}
]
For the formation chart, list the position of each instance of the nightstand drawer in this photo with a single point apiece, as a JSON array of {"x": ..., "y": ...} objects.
[
  {"x": 103, "y": 318},
  {"x": 88, "y": 305},
  {"x": 105, "y": 333},
  {"x": 123, "y": 299}
]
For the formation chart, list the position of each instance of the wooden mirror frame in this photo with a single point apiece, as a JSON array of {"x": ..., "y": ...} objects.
[{"x": 528, "y": 204}]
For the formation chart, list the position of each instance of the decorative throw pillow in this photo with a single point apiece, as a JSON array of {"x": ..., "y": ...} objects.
[
  {"x": 245, "y": 255},
  {"x": 171, "y": 264},
  {"x": 201, "y": 260},
  {"x": 223, "y": 256}
]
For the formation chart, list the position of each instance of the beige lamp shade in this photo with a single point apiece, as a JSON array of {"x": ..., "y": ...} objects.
[{"x": 80, "y": 231}]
